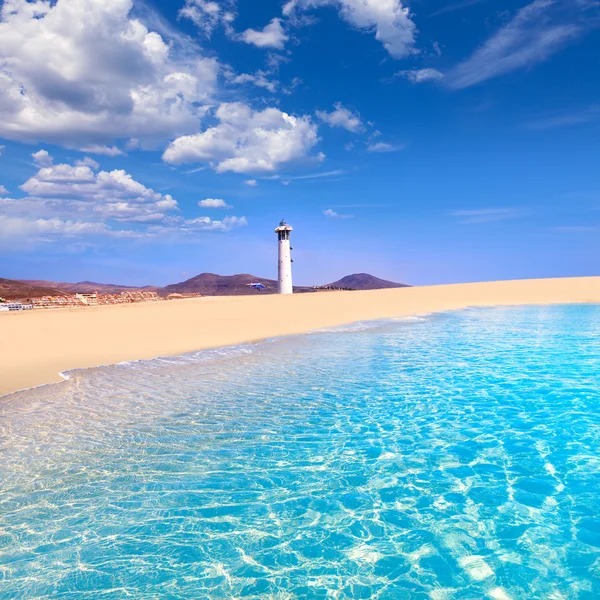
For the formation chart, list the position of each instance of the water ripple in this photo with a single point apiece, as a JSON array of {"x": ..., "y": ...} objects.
[{"x": 454, "y": 456}]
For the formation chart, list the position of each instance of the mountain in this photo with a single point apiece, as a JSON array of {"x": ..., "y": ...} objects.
[
  {"x": 363, "y": 281},
  {"x": 21, "y": 290},
  {"x": 206, "y": 284},
  {"x": 210, "y": 284},
  {"x": 87, "y": 287}
]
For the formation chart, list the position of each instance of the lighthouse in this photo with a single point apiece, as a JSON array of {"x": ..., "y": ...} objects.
[{"x": 285, "y": 258}]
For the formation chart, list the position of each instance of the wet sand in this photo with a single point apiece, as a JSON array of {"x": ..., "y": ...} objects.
[{"x": 39, "y": 345}]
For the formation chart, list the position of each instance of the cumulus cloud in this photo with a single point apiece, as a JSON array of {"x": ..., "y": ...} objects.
[
  {"x": 537, "y": 31},
  {"x": 3, "y": 191},
  {"x": 42, "y": 158},
  {"x": 213, "y": 203},
  {"x": 390, "y": 20},
  {"x": 334, "y": 215},
  {"x": 342, "y": 117},
  {"x": 246, "y": 141},
  {"x": 272, "y": 36},
  {"x": 206, "y": 15},
  {"x": 72, "y": 189},
  {"x": 83, "y": 73},
  {"x": 251, "y": 182},
  {"x": 75, "y": 200},
  {"x": 86, "y": 161},
  {"x": 420, "y": 75}
]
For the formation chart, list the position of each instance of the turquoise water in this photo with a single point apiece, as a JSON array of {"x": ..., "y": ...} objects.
[{"x": 449, "y": 456}]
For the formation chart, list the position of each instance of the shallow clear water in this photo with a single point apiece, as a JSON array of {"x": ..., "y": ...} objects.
[{"x": 452, "y": 456}]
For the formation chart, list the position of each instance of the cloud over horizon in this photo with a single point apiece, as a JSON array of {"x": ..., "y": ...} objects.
[{"x": 77, "y": 200}]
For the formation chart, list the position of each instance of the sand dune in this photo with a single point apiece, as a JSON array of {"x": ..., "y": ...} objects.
[{"x": 37, "y": 346}]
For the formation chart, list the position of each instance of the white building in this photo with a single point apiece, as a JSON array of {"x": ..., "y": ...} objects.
[
  {"x": 88, "y": 299},
  {"x": 10, "y": 306},
  {"x": 285, "y": 258}
]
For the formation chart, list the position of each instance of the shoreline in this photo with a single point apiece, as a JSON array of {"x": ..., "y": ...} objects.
[{"x": 40, "y": 345}]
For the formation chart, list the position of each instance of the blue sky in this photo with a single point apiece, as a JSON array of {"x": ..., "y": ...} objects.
[{"x": 429, "y": 142}]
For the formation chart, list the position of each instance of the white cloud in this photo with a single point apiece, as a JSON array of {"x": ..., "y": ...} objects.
[
  {"x": 420, "y": 75},
  {"x": 456, "y": 6},
  {"x": 286, "y": 179},
  {"x": 206, "y": 224},
  {"x": 213, "y": 203},
  {"x": 486, "y": 215},
  {"x": 12, "y": 228},
  {"x": 246, "y": 141},
  {"x": 206, "y": 15},
  {"x": 334, "y": 215},
  {"x": 532, "y": 36},
  {"x": 251, "y": 182},
  {"x": 84, "y": 72},
  {"x": 74, "y": 200},
  {"x": 272, "y": 36},
  {"x": 259, "y": 79},
  {"x": 105, "y": 150},
  {"x": 342, "y": 117},
  {"x": 42, "y": 158},
  {"x": 389, "y": 19},
  {"x": 3, "y": 191},
  {"x": 69, "y": 190},
  {"x": 2, "y": 148},
  {"x": 383, "y": 147},
  {"x": 86, "y": 161}
]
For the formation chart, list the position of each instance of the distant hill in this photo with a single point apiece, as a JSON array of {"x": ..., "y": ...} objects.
[
  {"x": 21, "y": 290},
  {"x": 87, "y": 287},
  {"x": 364, "y": 281},
  {"x": 206, "y": 284},
  {"x": 210, "y": 284}
]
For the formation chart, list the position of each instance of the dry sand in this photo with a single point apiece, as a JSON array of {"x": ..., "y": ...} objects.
[{"x": 38, "y": 345}]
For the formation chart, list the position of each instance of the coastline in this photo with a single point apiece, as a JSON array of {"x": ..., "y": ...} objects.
[{"x": 40, "y": 345}]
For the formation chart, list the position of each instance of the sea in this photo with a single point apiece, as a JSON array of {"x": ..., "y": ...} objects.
[{"x": 443, "y": 456}]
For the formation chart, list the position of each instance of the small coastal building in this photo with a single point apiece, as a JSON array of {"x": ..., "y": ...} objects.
[
  {"x": 88, "y": 299},
  {"x": 11, "y": 306}
]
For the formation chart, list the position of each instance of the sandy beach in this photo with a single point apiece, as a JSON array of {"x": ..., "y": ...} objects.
[{"x": 39, "y": 345}]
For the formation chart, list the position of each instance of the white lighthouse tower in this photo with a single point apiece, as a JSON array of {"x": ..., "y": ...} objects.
[{"x": 285, "y": 258}]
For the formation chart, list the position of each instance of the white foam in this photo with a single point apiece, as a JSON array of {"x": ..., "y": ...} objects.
[
  {"x": 476, "y": 567},
  {"x": 442, "y": 594},
  {"x": 364, "y": 554}
]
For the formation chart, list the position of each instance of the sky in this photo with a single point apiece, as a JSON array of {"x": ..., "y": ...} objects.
[{"x": 145, "y": 141}]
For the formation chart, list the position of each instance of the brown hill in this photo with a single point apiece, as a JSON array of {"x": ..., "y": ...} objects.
[
  {"x": 20, "y": 290},
  {"x": 87, "y": 287},
  {"x": 210, "y": 284},
  {"x": 363, "y": 281}
]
